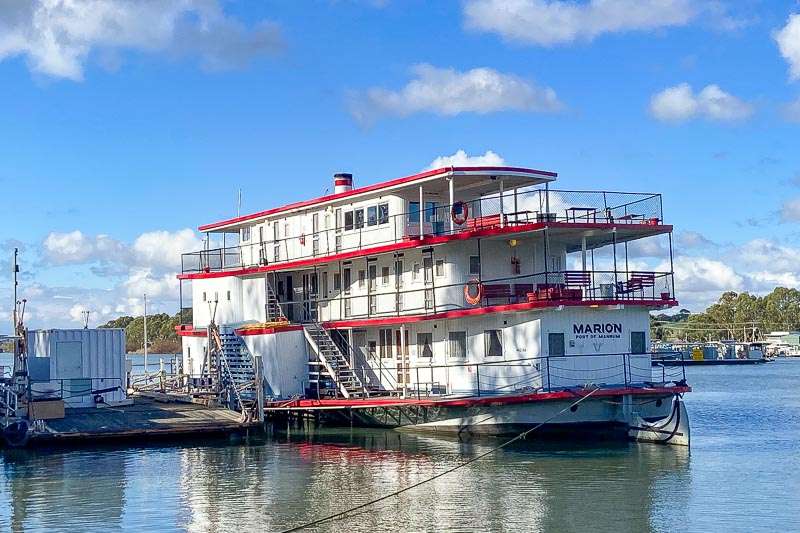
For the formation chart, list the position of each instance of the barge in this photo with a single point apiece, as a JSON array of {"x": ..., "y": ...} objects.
[{"x": 461, "y": 299}]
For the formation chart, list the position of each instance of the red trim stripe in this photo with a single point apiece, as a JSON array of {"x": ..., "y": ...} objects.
[
  {"x": 369, "y": 188},
  {"x": 418, "y": 243},
  {"x": 510, "y": 399}
]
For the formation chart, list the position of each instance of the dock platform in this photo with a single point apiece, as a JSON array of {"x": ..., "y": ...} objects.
[{"x": 145, "y": 418}]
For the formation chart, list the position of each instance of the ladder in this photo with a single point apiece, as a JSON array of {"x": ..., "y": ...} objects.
[
  {"x": 331, "y": 362},
  {"x": 232, "y": 361},
  {"x": 272, "y": 306}
]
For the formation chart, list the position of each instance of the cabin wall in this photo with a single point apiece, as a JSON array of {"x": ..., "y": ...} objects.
[
  {"x": 226, "y": 291},
  {"x": 285, "y": 361}
]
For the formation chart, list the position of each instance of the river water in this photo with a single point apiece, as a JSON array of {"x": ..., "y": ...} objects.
[{"x": 742, "y": 474}]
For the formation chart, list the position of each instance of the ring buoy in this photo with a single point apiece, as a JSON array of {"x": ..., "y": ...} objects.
[
  {"x": 473, "y": 299},
  {"x": 459, "y": 212}
]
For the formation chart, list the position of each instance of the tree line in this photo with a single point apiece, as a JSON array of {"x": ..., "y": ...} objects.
[
  {"x": 742, "y": 317},
  {"x": 161, "y": 334}
]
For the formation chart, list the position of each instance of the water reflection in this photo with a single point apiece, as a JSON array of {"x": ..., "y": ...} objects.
[{"x": 273, "y": 483}]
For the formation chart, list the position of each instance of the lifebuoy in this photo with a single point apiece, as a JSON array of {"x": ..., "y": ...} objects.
[
  {"x": 473, "y": 299},
  {"x": 459, "y": 212}
]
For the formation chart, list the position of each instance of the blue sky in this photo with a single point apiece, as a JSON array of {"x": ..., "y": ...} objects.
[{"x": 138, "y": 123}]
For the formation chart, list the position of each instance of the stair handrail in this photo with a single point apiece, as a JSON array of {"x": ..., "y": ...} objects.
[{"x": 333, "y": 372}]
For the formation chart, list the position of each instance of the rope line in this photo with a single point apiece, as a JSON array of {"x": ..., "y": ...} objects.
[{"x": 343, "y": 514}]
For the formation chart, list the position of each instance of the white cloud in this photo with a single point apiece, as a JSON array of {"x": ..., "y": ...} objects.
[
  {"x": 462, "y": 159},
  {"x": 448, "y": 92},
  {"x": 164, "y": 248},
  {"x": 551, "y": 22},
  {"x": 56, "y": 37},
  {"x": 680, "y": 103},
  {"x": 144, "y": 281},
  {"x": 788, "y": 39},
  {"x": 75, "y": 247},
  {"x": 693, "y": 239}
]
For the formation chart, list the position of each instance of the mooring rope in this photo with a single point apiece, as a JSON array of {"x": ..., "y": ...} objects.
[{"x": 343, "y": 514}]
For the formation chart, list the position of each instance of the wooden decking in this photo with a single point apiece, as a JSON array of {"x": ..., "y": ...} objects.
[{"x": 146, "y": 418}]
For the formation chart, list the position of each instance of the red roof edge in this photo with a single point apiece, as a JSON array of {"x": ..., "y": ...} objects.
[{"x": 368, "y": 188}]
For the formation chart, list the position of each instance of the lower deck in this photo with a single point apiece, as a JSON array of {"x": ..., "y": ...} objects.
[{"x": 146, "y": 418}]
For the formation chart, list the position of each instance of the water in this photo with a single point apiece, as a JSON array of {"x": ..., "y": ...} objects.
[{"x": 742, "y": 474}]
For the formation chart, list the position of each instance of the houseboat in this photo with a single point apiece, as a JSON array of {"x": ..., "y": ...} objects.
[{"x": 461, "y": 299}]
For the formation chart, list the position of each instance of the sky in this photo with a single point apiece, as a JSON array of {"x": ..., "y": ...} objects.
[{"x": 125, "y": 125}]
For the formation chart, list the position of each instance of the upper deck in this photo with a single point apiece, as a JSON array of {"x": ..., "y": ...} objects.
[{"x": 425, "y": 209}]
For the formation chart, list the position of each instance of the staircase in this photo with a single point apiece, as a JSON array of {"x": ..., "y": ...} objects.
[
  {"x": 331, "y": 362},
  {"x": 234, "y": 363}
]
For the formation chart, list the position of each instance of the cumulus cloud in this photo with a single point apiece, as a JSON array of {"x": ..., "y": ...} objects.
[
  {"x": 56, "y": 37},
  {"x": 552, "y": 22},
  {"x": 680, "y": 103},
  {"x": 75, "y": 248},
  {"x": 164, "y": 248},
  {"x": 788, "y": 39},
  {"x": 462, "y": 159},
  {"x": 693, "y": 239},
  {"x": 448, "y": 92}
]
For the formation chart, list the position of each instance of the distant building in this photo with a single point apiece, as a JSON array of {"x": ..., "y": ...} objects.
[{"x": 787, "y": 342}]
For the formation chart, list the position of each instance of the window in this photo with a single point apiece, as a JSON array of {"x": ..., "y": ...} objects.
[
  {"x": 348, "y": 221},
  {"x": 425, "y": 344},
  {"x": 204, "y": 297},
  {"x": 383, "y": 213},
  {"x": 430, "y": 211},
  {"x": 359, "y": 217},
  {"x": 413, "y": 212},
  {"x": 638, "y": 344},
  {"x": 475, "y": 265},
  {"x": 440, "y": 267},
  {"x": 385, "y": 275},
  {"x": 385, "y": 342},
  {"x": 229, "y": 296},
  {"x": 373, "y": 304},
  {"x": 246, "y": 234},
  {"x": 415, "y": 272},
  {"x": 362, "y": 275},
  {"x": 347, "y": 281},
  {"x": 337, "y": 281},
  {"x": 398, "y": 273},
  {"x": 324, "y": 284},
  {"x": 493, "y": 342},
  {"x": 555, "y": 344},
  {"x": 338, "y": 219},
  {"x": 429, "y": 304},
  {"x": 372, "y": 348},
  {"x": 372, "y": 215},
  {"x": 347, "y": 307},
  {"x": 458, "y": 344}
]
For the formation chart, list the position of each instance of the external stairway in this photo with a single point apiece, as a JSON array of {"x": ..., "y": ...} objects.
[{"x": 331, "y": 363}]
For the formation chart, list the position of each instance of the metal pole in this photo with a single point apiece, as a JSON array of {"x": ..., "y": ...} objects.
[
  {"x": 14, "y": 303},
  {"x": 452, "y": 201},
  {"x": 421, "y": 214},
  {"x": 478, "y": 376},
  {"x": 502, "y": 213},
  {"x": 145, "y": 335}
]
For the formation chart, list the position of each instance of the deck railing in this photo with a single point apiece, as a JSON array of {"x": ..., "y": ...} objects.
[
  {"x": 568, "y": 287},
  {"x": 511, "y": 210},
  {"x": 534, "y": 374}
]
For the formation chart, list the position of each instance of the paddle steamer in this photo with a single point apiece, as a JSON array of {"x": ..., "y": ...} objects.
[{"x": 460, "y": 299}]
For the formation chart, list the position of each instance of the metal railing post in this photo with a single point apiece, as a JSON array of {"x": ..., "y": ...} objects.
[
  {"x": 478, "y": 375},
  {"x": 417, "y": 372},
  {"x": 624, "y": 370},
  {"x": 548, "y": 374}
]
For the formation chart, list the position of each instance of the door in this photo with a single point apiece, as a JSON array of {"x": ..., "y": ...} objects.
[
  {"x": 401, "y": 355},
  {"x": 310, "y": 291},
  {"x": 289, "y": 298},
  {"x": 555, "y": 343},
  {"x": 638, "y": 344}
]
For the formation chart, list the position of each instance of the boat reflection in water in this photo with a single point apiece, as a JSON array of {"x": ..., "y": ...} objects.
[
  {"x": 526, "y": 486},
  {"x": 273, "y": 483}
]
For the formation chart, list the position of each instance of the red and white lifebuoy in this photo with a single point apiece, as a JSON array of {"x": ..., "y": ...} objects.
[
  {"x": 459, "y": 212},
  {"x": 473, "y": 285}
]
